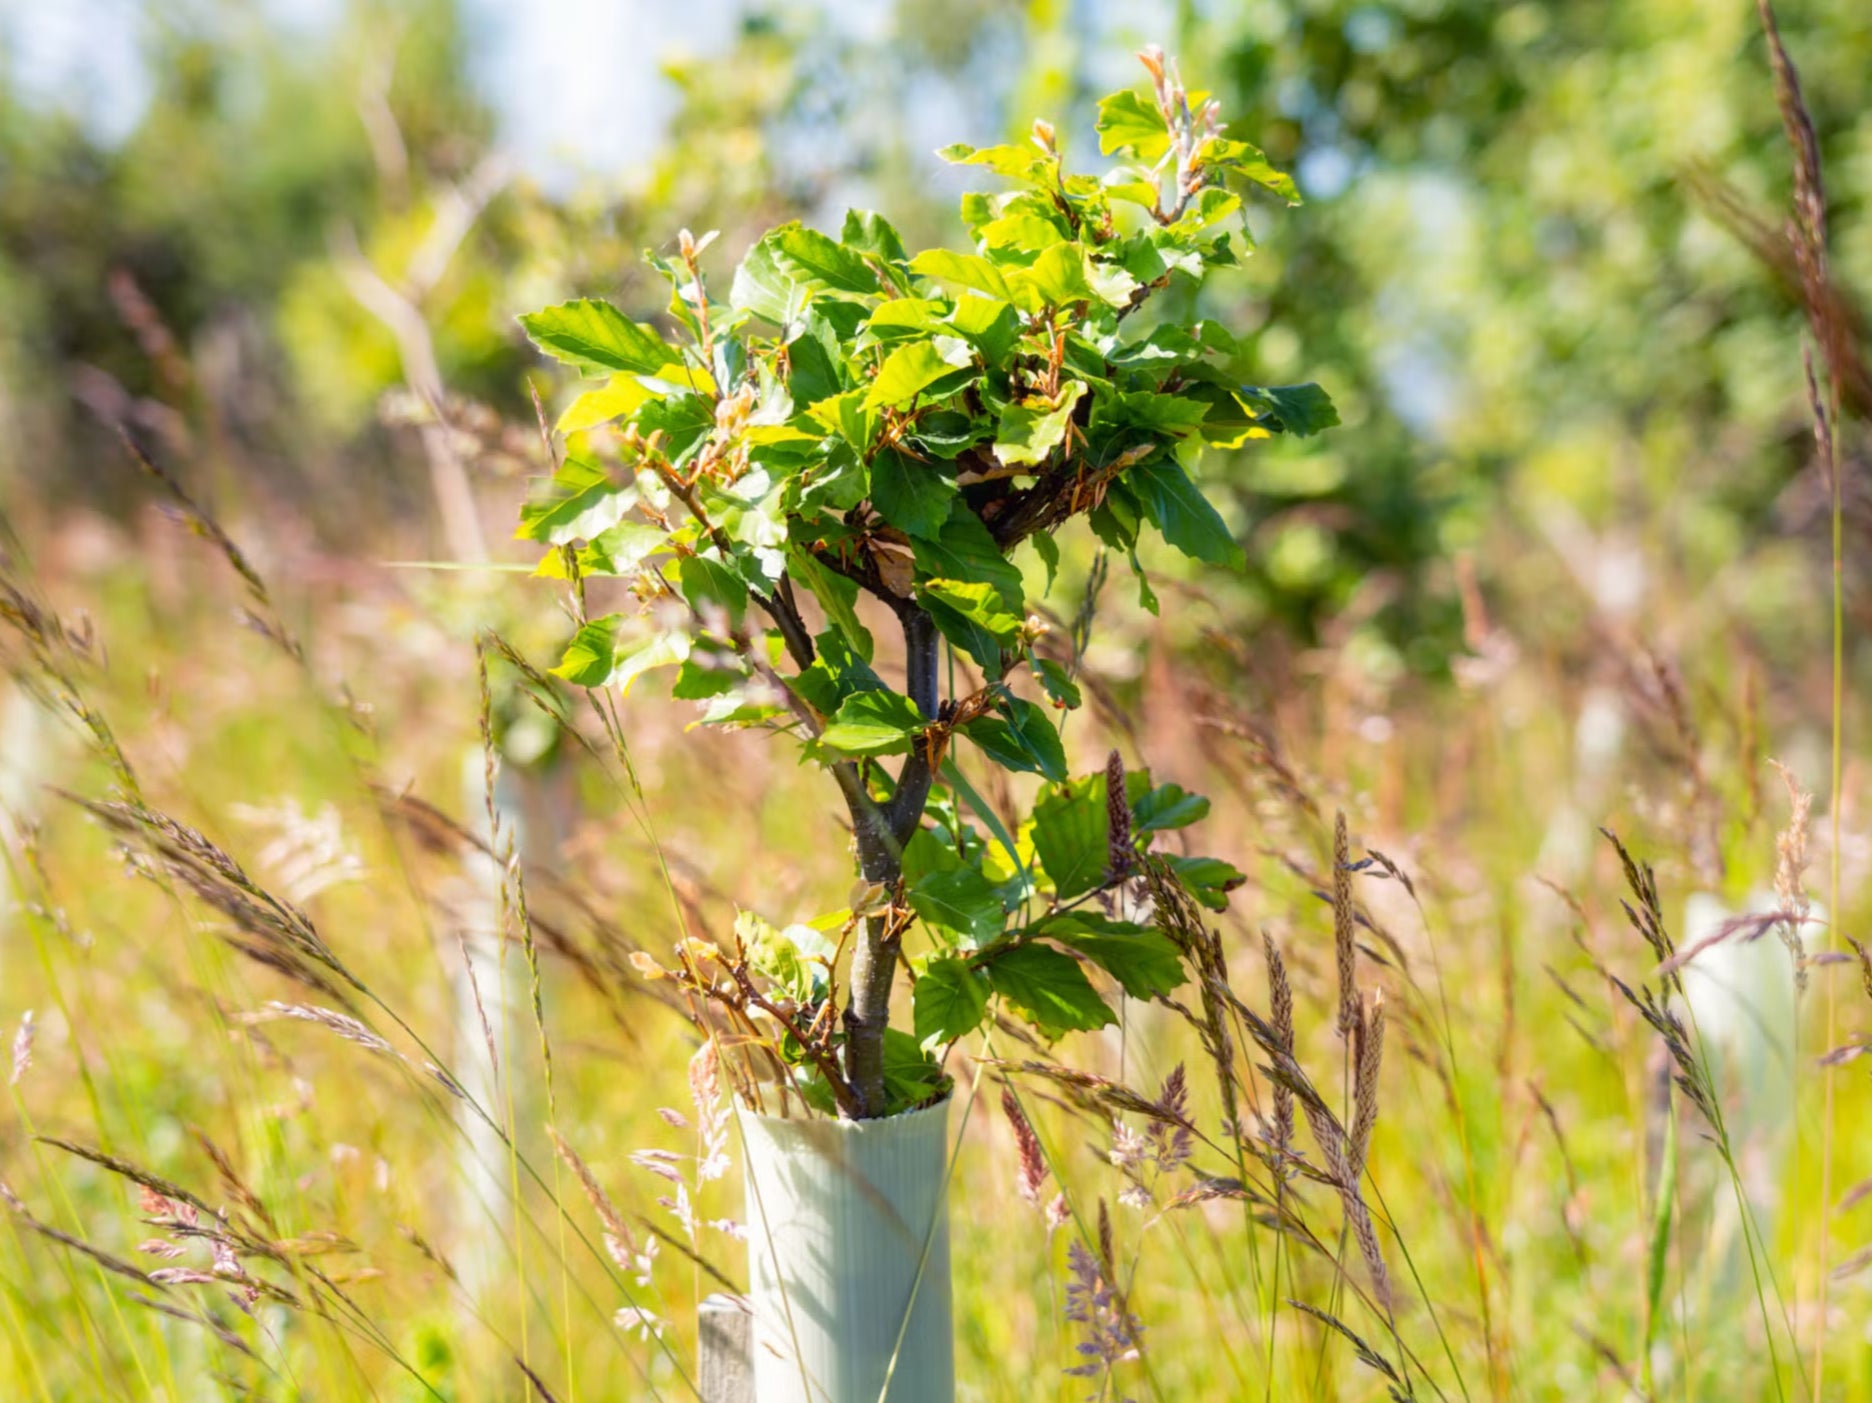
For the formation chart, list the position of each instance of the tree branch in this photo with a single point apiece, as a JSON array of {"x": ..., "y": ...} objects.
[{"x": 881, "y": 834}]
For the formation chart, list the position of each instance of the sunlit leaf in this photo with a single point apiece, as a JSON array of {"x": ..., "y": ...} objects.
[
  {"x": 596, "y": 337},
  {"x": 1032, "y": 429},
  {"x": 908, "y": 371},
  {"x": 811, "y": 254},
  {"x": 576, "y": 503},
  {"x": 617, "y": 397},
  {"x": 963, "y": 269},
  {"x": 1302, "y": 410},
  {"x": 1209, "y": 879},
  {"x": 1128, "y": 121},
  {"x": 600, "y": 656},
  {"x": 874, "y": 723}
]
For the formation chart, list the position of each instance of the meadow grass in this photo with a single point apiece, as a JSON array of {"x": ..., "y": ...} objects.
[{"x": 1495, "y": 1195}]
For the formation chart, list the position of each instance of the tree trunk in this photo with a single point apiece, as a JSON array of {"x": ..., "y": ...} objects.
[{"x": 881, "y": 833}]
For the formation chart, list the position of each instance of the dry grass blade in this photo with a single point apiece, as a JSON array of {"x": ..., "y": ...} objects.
[
  {"x": 1111, "y": 1096},
  {"x": 1281, "y": 1019},
  {"x": 1366, "y": 1354},
  {"x": 345, "y": 1026},
  {"x": 1746, "y": 928},
  {"x": 608, "y": 1215},
  {"x": 1368, "y": 1057},
  {"x": 282, "y": 936},
  {"x": 545, "y": 1393},
  {"x": 201, "y": 1318},
  {"x": 23, "y": 1047},
  {"x": 1345, "y": 946},
  {"x": 1853, "y": 1265},
  {"x": 1031, "y": 1176},
  {"x": 231, "y": 1179},
  {"x": 199, "y": 521},
  {"x": 124, "y": 1169},
  {"x": 1120, "y": 854}
]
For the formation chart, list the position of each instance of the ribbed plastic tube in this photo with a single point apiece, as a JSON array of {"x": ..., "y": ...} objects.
[{"x": 848, "y": 1233}]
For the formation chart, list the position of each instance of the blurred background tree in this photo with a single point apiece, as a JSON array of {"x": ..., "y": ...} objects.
[{"x": 1513, "y": 271}]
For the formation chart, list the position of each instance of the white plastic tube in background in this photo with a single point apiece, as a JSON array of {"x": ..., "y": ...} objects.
[{"x": 838, "y": 1214}]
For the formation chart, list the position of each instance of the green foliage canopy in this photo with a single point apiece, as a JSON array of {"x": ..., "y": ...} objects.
[{"x": 855, "y": 423}]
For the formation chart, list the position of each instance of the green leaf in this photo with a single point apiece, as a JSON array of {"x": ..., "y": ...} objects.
[
  {"x": 706, "y": 674},
  {"x": 911, "y": 1077},
  {"x": 836, "y": 673},
  {"x": 947, "y": 432},
  {"x": 1182, "y": 513},
  {"x": 978, "y": 602},
  {"x": 871, "y": 233},
  {"x": 1033, "y": 428},
  {"x": 1061, "y": 690},
  {"x": 1128, "y": 121},
  {"x": 620, "y": 549},
  {"x": 929, "y": 850},
  {"x": 874, "y": 723},
  {"x": 959, "y": 782},
  {"x": 908, "y": 371},
  {"x": 961, "y": 900},
  {"x": 1021, "y": 738},
  {"x": 1159, "y": 413},
  {"x": 949, "y": 1002},
  {"x": 598, "y": 657},
  {"x": 1048, "y": 988},
  {"x": 1071, "y": 834},
  {"x": 767, "y": 288},
  {"x": 902, "y": 316},
  {"x": 812, "y": 375},
  {"x": 847, "y": 416},
  {"x": 1048, "y": 550},
  {"x": 779, "y": 955},
  {"x": 1147, "y": 597},
  {"x": 1144, "y": 961},
  {"x": 1022, "y": 163},
  {"x": 709, "y": 584},
  {"x": 1248, "y": 162},
  {"x": 1209, "y": 879},
  {"x": 813, "y": 255},
  {"x": 989, "y": 324},
  {"x": 968, "y": 270},
  {"x": 575, "y": 504},
  {"x": 837, "y": 596},
  {"x": 1023, "y": 231},
  {"x": 1056, "y": 278},
  {"x": 596, "y": 337},
  {"x": 964, "y": 550},
  {"x": 962, "y": 632},
  {"x": 685, "y": 420},
  {"x": 1302, "y": 410},
  {"x": 912, "y": 496},
  {"x": 1167, "y": 806},
  {"x": 618, "y": 396}
]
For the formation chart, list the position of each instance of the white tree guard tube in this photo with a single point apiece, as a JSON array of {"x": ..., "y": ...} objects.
[{"x": 848, "y": 1233}]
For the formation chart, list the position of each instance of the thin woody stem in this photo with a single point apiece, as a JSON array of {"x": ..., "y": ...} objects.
[{"x": 880, "y": 835}]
